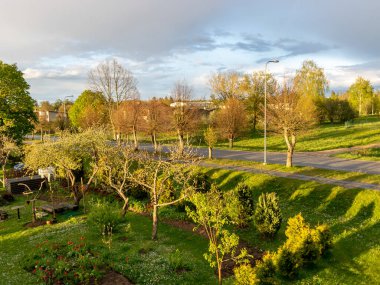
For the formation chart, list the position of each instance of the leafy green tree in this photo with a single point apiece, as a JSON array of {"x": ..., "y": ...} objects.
[
  {"x": 225, "y": 86},
  {"x": 253, "y": 86},
  {"x": 16, "y": 106},
  {"x": 211, "y": 137},
  {"x": 267, "y": 215},
  {"x": 88, "y": 110},
  {"x": 211, "y": 213},
  {"x": 360, "y": 96},
  {"x": 310, "y": 81}
]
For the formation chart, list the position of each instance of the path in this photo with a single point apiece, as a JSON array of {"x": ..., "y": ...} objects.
[{"x": 321, "y": 180}]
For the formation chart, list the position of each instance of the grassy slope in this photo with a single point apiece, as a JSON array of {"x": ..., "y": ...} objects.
[
  {"x": 353, "y": 215},
  {"x": 365, "y": 131},
  {"x": 364, "y": 154}
]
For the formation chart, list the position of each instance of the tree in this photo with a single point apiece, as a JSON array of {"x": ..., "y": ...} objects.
[
  {"x": 184, "y": 117},
  {"x": 225, "y": 86},
  {"x": 7, "y": 148},
  {"x": 289, "y": 114},
  {"x": 88, "y": 110},
  {"x": 310, "y": 82},
  {"x": 211, "y": 137},
  {"x": 156, "y": 119},
  {"x": 231, "y": 119},
  {"x": 116, "y": 83},
  {"x": 16, "y": 106},
  {"x": 360, "y": 96},
  {"x": 211, "y": 213},
  {"x": 75, "y": 157},
  {"x": 253, "y": 87},
  {"x": 167, "y": 177}
]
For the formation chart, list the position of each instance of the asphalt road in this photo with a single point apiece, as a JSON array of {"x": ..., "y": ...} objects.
[{"x": 314, "y": 159}]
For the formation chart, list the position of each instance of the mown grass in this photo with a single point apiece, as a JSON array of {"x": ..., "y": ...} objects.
[
  {"x": 352, "y": 214},
  {"x": 362, "y": 154},
  {"x": 303, "y": 170},
  {"x": 364, "y": 131}
]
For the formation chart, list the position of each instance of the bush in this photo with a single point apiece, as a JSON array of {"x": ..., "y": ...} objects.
[
  {"x": 137, "y": 206},
  {"x": 177, "y": 263},
  {"x": 287, "y": 263},
  {"x": 245, "y": 275},
  {"x": 265, "y": 269},
  {"x": 308, "y": 243},
  {"x": 201, "y": 182},
  {"x": 104, "y": 218},
  {"x": 267, "y": 217},
  {"x": 245, "y": 204}
]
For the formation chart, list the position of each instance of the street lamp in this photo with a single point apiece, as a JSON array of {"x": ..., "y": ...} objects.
[{"x": 265, "y": 108}]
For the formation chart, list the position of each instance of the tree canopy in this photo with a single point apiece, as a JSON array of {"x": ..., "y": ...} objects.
[{"x": 16, "y": 106}]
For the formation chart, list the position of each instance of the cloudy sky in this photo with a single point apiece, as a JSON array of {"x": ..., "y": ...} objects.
[{"x": 56, "y": 43}]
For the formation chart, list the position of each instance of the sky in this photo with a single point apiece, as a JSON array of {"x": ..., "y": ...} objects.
[{"x": 56, "y": 43}]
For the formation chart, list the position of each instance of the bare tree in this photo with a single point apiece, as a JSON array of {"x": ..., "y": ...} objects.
[
  {"x": 231, "y": 119},
  {"x": 115, "y": 82},
  {"x": 225, "y": 85},
  {"x": 289, "y": 113},
  {"x": 184, "y": 116},
  {"x": 156, "y": 119}
]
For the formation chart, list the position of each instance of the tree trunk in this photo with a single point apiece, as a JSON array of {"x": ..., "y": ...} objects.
[
  {"x": 155, "y": 222},
  {"x": 124, "y": 210},
  {"x": 181, "y": 144},
  {"x": 289, "y": 158},
  {"x": 291, "y": 143},
  {"x": 220, "y": 279},
  {"x": 34, "y": 218},
  {"x": 4, "y": 175},
  {"x": 155, "y": 142},
  {"x": 230, "y": 142},
  {"x": 136, "y": 144},
  {"x": 254, "y": 122},
  {"x": 209, "y": 152}
]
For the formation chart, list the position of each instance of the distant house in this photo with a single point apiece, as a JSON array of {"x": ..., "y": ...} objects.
[
  {"x": 49, "y": 116},
  {"x": 199, "y": 105}
]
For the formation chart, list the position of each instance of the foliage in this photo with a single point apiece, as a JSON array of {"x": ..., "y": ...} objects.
[
  {"x": 335, "y": 109},
  {"x": 70, "y": 263},
  {"x": 16, "y": 105},
  {"x": 265, "y": 270},
  {"x": 177, "y": 262},
  {"x": 267, "y": 217},
  {"x": 88, "y": 110},
  {"x": 212, "y": 214},
  {"x": 287, "y": 263},
  {"x": 243, "y": 204},
  {"x": 361, "y": 95},
  {"x": 245, "y": 275},
  {"x": 201, "y": 182},
  {"x": 211, "y": 138},
  {"x": 225, "y": 86},
  {"x": 103, "y": 218}
]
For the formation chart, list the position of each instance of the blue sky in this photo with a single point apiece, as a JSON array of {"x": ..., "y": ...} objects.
[{"x": 56, "y": 43}]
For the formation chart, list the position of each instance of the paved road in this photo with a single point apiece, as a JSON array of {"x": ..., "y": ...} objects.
[{"x": 314, "y": 159}]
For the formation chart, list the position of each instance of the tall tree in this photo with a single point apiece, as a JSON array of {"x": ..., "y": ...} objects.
[
  {"x": 115, "y": 82},
  {"x": 231, "y": 119},
  {"x": 288, "y": 114},
  {"x": 360, "y": 96},
  {"x": 156, "y": 119},
  {"x": 16, "y": 106},
  {"x": 310, "y": 82},
  {"x": 253, "y": 85},
  {"x": 184, "y": 116},
  {"x": 88, "y": 110},
  {"x": 225, "y": 85}
]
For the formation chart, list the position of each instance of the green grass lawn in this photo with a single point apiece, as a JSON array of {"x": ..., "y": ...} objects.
[
  {"x": 352, "y": 214},
  {"x": 362, "y": 154},
  {"x": 363, "y": 132}
]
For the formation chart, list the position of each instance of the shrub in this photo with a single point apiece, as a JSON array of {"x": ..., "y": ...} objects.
[
  {"x": 267, "y": 217},
  {"x": 245, "y": 275},
  {"x": 104, "y": 218},
  {"x": 201, "y": 182},
  {"x": 287, "y": 263},
  {"x": 137, "y": 206},
  {"x": 176, "y": 261},
  {"x": 245, "y": 204},
  {"x": 265, "y": 269},
  {"x": 324, "y": 238}
]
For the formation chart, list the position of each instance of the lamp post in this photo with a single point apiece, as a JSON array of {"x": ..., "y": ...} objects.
[{"x": 265, "y": 108}]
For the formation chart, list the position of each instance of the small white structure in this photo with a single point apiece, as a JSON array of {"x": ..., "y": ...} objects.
[{"x": 48, "y": 172}]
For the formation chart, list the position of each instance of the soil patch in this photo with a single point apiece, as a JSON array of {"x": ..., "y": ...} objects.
[
  {"x": 187, "y": 226},
  {"x": 114, "y": 278},
  {"x": 35, "y": 224}
]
